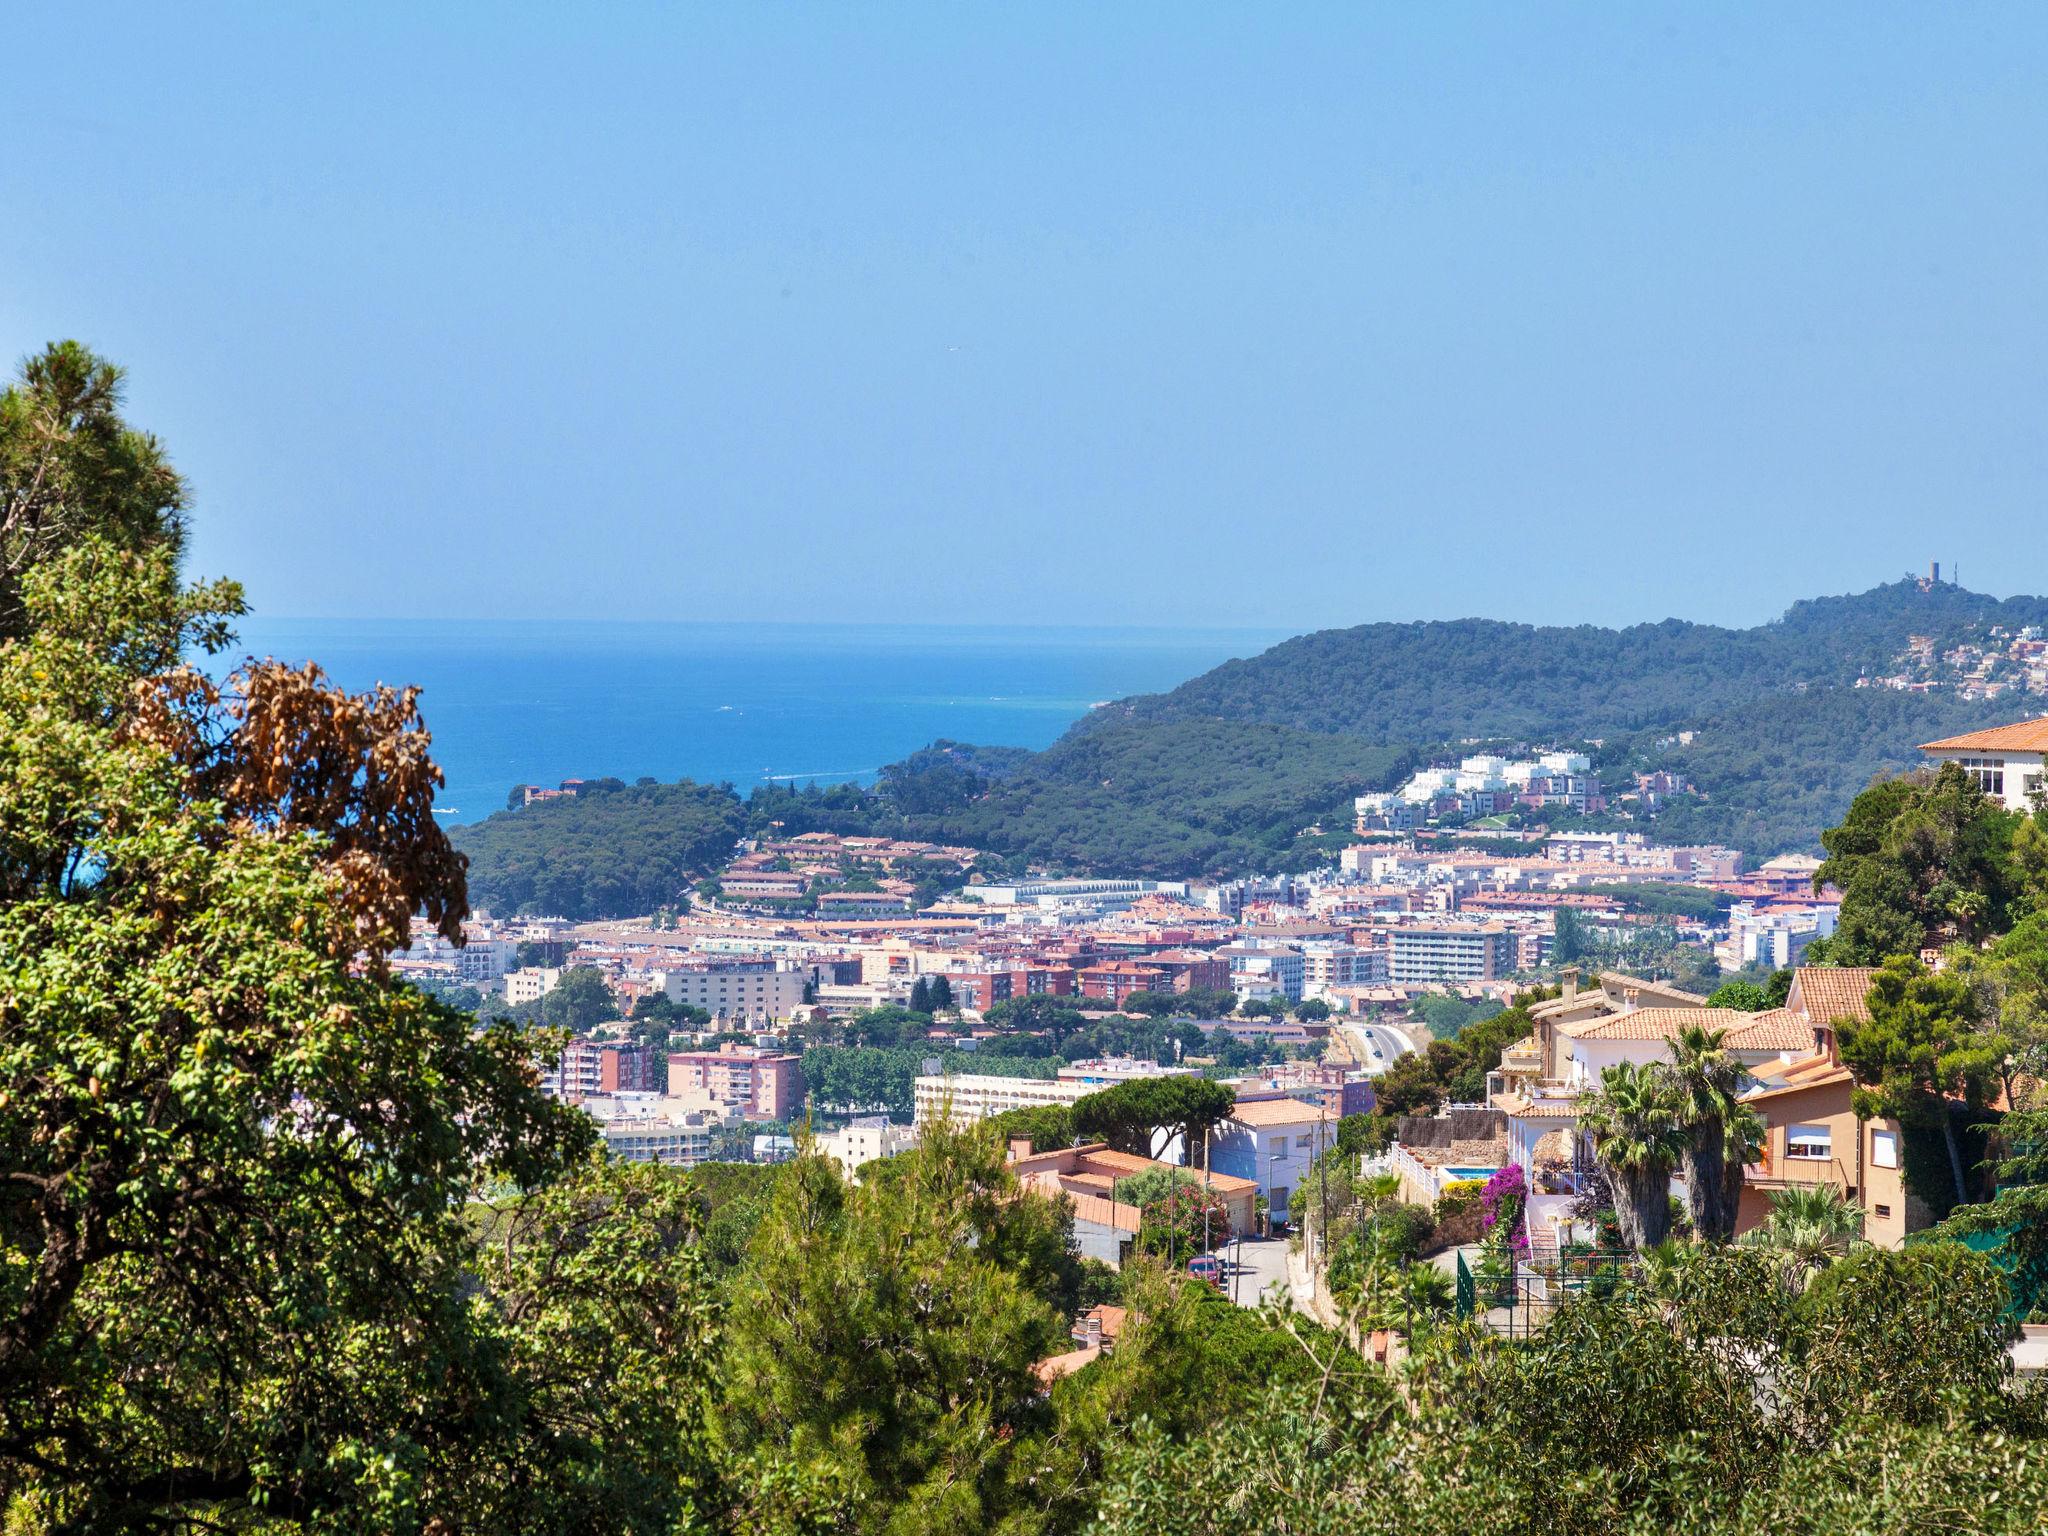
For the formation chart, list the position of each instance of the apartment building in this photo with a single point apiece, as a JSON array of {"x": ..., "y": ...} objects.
[
  {"x": 976, "y": 1096},
  {"x": 1326, "y": 965},
  {"x": 1259, "y": 971},
  {"x": 738, "y": 1079},
  {"x": 1421, "y": 955},
  {"x": 753, "y": 990},
  {"x": 531, "y": 983},
  {"x": 592, "y": 1067}
]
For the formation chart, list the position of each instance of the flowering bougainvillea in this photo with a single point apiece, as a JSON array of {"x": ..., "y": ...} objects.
[{"x": 1500, "y": 1206}]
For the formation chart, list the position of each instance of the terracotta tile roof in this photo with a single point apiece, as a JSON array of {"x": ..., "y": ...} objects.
[
  {"x": 1524, "y": 1108},
  {"x": 1661, "y": 988},
  {"x": 1775, "y": 1029},
  {"x": 1053, "y": 1367},
  {"x": 2025, "y": 736},
  {"x": 1266, "y": 1112},
  {"x": 1649, "y": 1023},
  {"x": 1811, "y": 1072},
  {"x": 1830, "y": 992}
]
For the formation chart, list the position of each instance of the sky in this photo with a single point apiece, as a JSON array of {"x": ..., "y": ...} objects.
[{"x": 1055, "y": 313}]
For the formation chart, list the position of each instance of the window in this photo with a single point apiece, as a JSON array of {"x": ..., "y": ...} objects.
[
  {"x": 1883, "y": 1212},
  {"x": 1989, "y": 772},
  {"x": 1884, "y": 1148},
  {"x": 1812, "y": 1142},
  {"x": 1304, "y": 1141}
]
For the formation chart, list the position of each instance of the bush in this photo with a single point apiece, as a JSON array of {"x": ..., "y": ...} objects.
[{"x": 1458, "y": 1197}]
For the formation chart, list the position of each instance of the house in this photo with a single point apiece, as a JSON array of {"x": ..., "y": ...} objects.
[
  {"x": 1090, "y": 1177},
  {"x": 1812, "y": 1135},
  {"x": 1272, "y": 1142},
  {"x": 2006, "y": 761}
]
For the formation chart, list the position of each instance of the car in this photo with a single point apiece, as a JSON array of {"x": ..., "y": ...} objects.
[{"x": 1206, "y": 1266}]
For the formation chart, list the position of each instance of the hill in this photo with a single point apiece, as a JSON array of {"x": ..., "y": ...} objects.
[{"x": 1236, "y": 769}]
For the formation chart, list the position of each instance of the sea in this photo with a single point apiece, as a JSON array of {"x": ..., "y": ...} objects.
[{"x": 511, "y": 702}]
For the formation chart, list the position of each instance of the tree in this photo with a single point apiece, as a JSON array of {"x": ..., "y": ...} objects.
[
  {"x": 1708, "y": 1078},
  {"x": 941, "y": 995},
  {"x": 1922, "y": 1055},
  {"x": 1638, "y": 1139},
  {"x": 72, "y": 470},
  {"x": 883, "y": 1334},
  {"x": 580, "y": 1000},
  {"x": 921, "y": 996},
  {"x": 1741, "y": 996},
  {"x": 1045, "y": 1126},
  {"x": 1568, "y": 943},
  {"x": 234, "y": 1154},
  {"x": 1143, "y": 1113},
  {"x": 1808, "y": 1229},
  {"x": 1920, "y": 859},
  {"x": 1312, "y": 1010}
]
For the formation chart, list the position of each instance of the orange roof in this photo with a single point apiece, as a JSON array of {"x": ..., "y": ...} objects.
[
  {"x": 2026, "y": 736},
  {"x": 1830, "y": 992},
  {"x": 1773, "y": 1030},
  {"x": 1812, "y": 1072},
  {"x": 1052, "y": 1368},
  {"x": 1267, "y": 1112}
]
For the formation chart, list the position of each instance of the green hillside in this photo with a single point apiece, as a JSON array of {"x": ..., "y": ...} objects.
[{"x": 1232, "y": 771}]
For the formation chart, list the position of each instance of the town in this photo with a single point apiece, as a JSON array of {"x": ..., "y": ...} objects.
[{"x": 808, "y": 998}]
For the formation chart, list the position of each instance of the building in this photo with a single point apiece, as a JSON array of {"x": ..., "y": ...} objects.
[
  {"x": 646, "y": 1128},
  {"x": 1272, "y": 1142},
  {"x": 866, "y": 1139},
  {"x": 752, "y": 990},
  {"x": 741, "y": 1080},
  {"x": 592, "y": 1067},
  {"x": 530, "y": 984},
  {"x": 1091, "y": 1177},
  {"x": 1328, "y": 965},
  {"x": 2006, "y": 761},
  {"x": 1419, "y": 956},
  {"x": 976, "y": 1096},
  {"x": 761, "y": 885},
  {"x": 480, "y": 962},
  {"x": 1260, "y": 970}
]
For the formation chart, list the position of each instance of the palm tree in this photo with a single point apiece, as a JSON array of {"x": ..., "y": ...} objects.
[
  {"x": 1707, "y": 1076},
  {"x": 1634, "y": 1123},
  {"x": 1809, "y": 1229}
]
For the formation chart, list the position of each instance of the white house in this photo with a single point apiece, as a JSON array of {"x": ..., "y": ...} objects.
[
  {"x": 1272, "y": 1142},
  {"x": 2006, "y": 761}
]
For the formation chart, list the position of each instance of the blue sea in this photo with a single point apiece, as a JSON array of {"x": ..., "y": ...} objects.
[{"x": 534, "y": 703}]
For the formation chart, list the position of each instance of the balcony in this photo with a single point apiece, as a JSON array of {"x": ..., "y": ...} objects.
[{"x": 1769, "y": 1173}]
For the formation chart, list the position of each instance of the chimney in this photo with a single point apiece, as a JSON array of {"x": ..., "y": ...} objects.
[
  {"x": 1020, "y": 1148},
  {"x": 1629, "y": 996},
  {"x": 1571, "y": 981}
]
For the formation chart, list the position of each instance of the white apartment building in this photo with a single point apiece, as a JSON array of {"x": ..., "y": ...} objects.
[
  {"x": 481, "y": 962},
  {"x": 1418, "y": 956},
  {"x": 531, "y": 983},
  {"x": 976, "y": 1096},
  {"x": 866, "y": 1140},
  {"x": 648, "y": 1128},
  {"x": 755, "y": 991},
  {"x": 1327, "y": 965},
  {"x": 1259, "y": 971}
]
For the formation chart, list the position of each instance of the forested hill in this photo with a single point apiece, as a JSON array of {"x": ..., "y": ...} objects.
[
  {"x": 1441, "y": 681},
  {"x": 1252, "y": 766}
]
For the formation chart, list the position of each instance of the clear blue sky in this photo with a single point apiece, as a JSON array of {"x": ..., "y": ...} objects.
[{"x": 1291, "y": 315}]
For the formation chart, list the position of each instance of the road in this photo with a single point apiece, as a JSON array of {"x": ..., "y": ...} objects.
[
  {"x": 1376, "y": 1045},
  {"x": 1257, "y": 1265}
]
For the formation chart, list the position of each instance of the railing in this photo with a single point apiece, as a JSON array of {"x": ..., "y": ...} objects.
[{"x": 1780, "y": 1172}]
